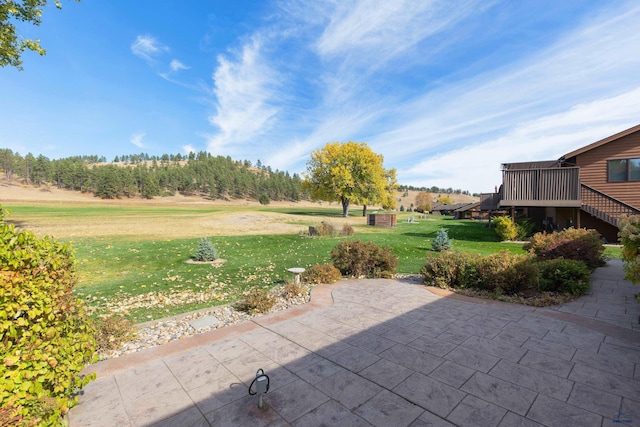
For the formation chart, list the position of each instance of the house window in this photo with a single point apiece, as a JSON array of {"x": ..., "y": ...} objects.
[
  {"x": 634, "y": 169},
  {"x": 617, "y": 170},
  {"x": 622, "y": 170}
]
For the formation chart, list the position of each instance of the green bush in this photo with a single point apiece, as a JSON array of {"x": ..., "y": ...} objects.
[
  {"x": 524, "y": 228},
  {"x": 630, "y": 239},
  {"x": 264, "y": 199},
  {"x": 206, "y": 251},
  {"x": 256, "y": 300},
  {"x": 441, "y": 242},
  {"x": 505, "y": 228},
  {"x": 564, "y": 275},
  {"x": 46, "y": 336},
  {"x": 501, "y": 272},
  {"x": 505, "y": 273},
  {"x": 322, "y": 273},
  {"x": 357, "y": 258},
  {"x": 451, "y": 270},
  {"x": 577, "y": 244}
]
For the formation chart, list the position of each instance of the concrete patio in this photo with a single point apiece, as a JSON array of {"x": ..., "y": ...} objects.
[{"x": 389, "y": 353}]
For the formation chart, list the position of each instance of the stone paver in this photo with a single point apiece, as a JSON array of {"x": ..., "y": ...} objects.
[
  {"x": 430, "y": 394},
  {"x": 330, "y": 413},
  {"x": 551, "y": 412},
  {"x": 349, "y": 389},
  {"x": 540, "y": 382},
  {"x": 386, "y": 373},
  {"x": 389, "y": 409},
  {"x": 384, "y": 352},
  {"x": 474, "y": 412}
]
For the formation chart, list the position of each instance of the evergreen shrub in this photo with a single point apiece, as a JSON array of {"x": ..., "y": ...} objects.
[
  {"x": 206, "y": 251},
  {"x": 565, "y": 276},
  {"x": 524, "y": 228},
  {"x": 357, "y": 258},
  {"x": 441, "y": 242},
  {"x": 264, "y": 199}
]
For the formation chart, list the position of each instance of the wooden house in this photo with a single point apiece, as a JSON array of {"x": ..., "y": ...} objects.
[
  {"x": 447, "y": 209},
  {"x": 591, "y": 187},
  {"x": 469, "y": 211}
]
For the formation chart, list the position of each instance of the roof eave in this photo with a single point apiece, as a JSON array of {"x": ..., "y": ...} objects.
[{"x": 601, "y": 142}]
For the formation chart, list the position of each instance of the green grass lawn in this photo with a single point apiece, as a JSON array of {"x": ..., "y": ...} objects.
[
  {"x": 150, "y": 278},
  {"x": 117, "y": 270}
]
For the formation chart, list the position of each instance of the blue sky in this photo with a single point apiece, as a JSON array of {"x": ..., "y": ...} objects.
[{"x": 445, "y": 91}]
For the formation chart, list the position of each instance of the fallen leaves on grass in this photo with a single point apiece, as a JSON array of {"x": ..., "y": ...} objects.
[{"x": 154, "y": 300}]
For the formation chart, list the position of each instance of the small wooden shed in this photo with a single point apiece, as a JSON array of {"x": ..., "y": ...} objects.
[{"x": 382, "y": 220}]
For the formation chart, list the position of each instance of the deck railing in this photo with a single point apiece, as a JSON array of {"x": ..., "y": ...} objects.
[
  {"x": 605, "y": 207},
  {"x": 489, "y": 201},
  {"x": 541, "y": 187}
]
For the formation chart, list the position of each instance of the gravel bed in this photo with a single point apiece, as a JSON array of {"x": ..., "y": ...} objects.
[{"x": 162, "y": 331}]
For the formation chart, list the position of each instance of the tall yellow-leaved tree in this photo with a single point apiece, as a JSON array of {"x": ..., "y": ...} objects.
[
  {"x": 423, "y": 201},
  {"x": 349, "y": 172}
]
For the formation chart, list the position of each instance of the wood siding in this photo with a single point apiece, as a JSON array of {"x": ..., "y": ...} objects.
[
  {"x": 593, "y": 168},
  {"x": 382, "y": 220},
  {"x": 489, "y": 201},
  {"x": 558, "y": 187}
]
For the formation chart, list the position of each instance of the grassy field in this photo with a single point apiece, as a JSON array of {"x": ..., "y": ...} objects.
[{"x": 133, "y": 260}]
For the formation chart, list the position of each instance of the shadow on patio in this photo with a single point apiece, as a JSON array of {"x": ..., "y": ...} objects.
[{"x": 385, "y": 353}]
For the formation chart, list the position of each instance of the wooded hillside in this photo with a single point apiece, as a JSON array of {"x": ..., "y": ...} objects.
[{"x": 143, "y": 176}]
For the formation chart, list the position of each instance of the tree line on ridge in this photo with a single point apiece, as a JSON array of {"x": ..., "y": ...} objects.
[{"x": 141, "y": 175}]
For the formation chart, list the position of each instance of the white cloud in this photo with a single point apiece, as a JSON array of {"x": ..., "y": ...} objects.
[
  {"x": 147, "y": 47},
  {"x": 136, "y": 139},
  {"x": 571, "y": 80},
  {"x": 477, "y": 166},
  {"x": 384, "y": 29},
  {"x": 176, "y": 65},
  {"x": 335, "y": 126},
  {"x": 370, "y": 34},
  {"x": 244, "y": 87},
  {"x": 188, "y": 149},
  {"x": 536, "y": 105}
]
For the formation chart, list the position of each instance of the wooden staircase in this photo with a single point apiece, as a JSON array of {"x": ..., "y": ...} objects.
[{"x": 604, "y": 207}]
